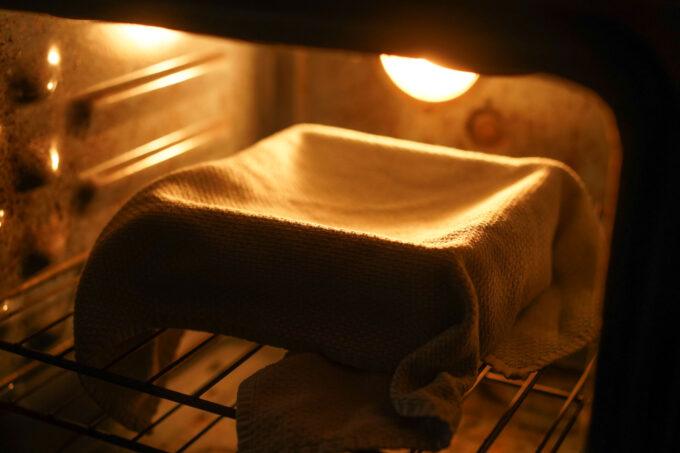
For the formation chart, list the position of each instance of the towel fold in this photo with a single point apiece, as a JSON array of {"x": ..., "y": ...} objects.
[{"x": 391, "y": 268}]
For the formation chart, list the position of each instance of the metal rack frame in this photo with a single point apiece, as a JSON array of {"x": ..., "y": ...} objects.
[{"x": 57, "y": 358}]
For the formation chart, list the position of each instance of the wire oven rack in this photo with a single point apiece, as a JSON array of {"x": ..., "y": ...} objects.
[{"x": 196, "y": 390}]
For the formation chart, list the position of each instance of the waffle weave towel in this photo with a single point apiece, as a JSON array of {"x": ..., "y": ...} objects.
[{"x": 390, "y": 268}]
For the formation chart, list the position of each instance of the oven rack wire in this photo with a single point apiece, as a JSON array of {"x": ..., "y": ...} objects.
[{"x": 55, "y": 358}]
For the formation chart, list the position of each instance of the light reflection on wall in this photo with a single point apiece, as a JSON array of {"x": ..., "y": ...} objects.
[
  {"x": 140, "y": 37},
  {"x": 53, "y": 56},
  {"x": 53, "y": 59},
  {"x": 54, "y": 157},
  {"x": 171, "y": 79}
]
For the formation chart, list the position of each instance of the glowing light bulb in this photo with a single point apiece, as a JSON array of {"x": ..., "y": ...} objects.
[
  {"x": 53, "y": 56},
  {"x": 50, "y": 85},
  {"x": 426, "y": 81}
]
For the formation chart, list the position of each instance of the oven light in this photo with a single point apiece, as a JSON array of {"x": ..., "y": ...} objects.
[
  {"x": 2, "y": 217},
  {"x": 426, "y": 81}
]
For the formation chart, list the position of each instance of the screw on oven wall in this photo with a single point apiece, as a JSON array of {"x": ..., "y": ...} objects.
[
  {"x": 24, "y": 88},
  {"x": 485, "y": 126},
  {"x": 44, "y": 238},
  {"x": 83, "y": 195},
  {"x": 37, "y": 163},
  {"x": 33, "y": 73},
  {"x": 33, "y": 262},
  {"x": 79, "y": 116}
]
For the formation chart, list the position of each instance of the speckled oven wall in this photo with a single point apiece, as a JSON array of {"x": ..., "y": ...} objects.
[
  {"x": 531, "y": 115},
  {"x": 90, "y": 112}
]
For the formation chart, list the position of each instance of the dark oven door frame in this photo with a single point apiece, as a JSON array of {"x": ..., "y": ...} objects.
[{"x": 629, "y": 55}]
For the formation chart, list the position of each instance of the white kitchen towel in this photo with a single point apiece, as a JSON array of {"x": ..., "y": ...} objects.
[{"x": 391, "y": 269}]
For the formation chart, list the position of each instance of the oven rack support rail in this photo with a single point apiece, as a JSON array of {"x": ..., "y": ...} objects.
[{"x": 65, "y": 276}]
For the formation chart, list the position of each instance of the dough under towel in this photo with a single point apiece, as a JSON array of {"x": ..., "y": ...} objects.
[{"x": 390, "y": 269}]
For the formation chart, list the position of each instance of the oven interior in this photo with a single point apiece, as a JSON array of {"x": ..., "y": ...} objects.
[{"x": 91, "y": 112}]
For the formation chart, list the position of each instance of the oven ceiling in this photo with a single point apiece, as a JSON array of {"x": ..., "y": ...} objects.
[{"x": 493, "y": 37}]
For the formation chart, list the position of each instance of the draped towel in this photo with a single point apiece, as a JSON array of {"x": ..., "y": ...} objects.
[{"x": 390, "y": 268}]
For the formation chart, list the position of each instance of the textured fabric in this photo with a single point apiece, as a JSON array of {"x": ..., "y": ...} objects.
[{"x": 392, "y": 268}]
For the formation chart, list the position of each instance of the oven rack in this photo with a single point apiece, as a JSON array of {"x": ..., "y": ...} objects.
[{"x": 43, "y": 354}]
